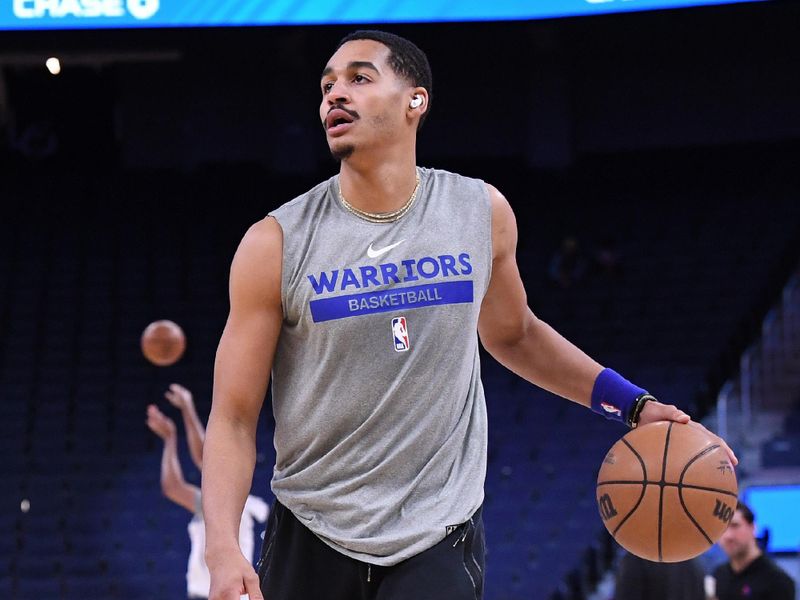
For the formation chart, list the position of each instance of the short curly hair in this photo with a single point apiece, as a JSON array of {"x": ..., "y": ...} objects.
[{"x": 405, "y": 58}]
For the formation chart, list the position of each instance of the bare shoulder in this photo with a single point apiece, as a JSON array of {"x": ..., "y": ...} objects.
[
  {"x": 497, "y": 198},
  {"x": 504, "y": 224},
  {"x": 264, "y": 236},
  {"x": 256, "y": 267},
  {"x": 262, "y": 245}
]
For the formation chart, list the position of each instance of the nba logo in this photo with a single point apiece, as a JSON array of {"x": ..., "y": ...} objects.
[{"x": 400, "y": 334}]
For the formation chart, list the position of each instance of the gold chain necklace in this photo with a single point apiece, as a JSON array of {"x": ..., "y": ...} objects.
[{"x": 387, "y": 217}]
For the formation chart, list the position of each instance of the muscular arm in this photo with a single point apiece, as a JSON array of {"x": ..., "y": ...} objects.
[
  {"x": 514, "y": 336},
  {"x": 530, "y": 347},
  {"x": 241, "y": 373}
]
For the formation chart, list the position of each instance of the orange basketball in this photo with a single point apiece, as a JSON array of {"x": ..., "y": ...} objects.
[
  {"x": 666, "y": 491},
  {"x": 163, "y": 343}
]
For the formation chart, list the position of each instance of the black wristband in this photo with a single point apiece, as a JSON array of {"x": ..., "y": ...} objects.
[{"x": 636, "y": 411}]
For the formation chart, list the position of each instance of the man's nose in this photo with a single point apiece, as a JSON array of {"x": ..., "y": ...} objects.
[{"x": 338, "y": 94}]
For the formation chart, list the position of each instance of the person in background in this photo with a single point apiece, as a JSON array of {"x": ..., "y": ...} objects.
[
  {"x": 748, "y": 574},
  {"x": 567, "y": 265},
  {"x": 187, "y": 495}
]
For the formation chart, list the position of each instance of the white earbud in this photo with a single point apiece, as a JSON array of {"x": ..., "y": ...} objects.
[{"x": 416, "y": 102}]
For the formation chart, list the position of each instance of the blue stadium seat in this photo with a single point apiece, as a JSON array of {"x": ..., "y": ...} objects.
[{"x": 44, "y": 585}]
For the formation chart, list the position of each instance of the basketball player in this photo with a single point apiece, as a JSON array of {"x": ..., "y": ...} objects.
[
  {"x": 749, "y": 574},
  {"x": 183, "y": 493},
  {"x": 363, "y": 298}
]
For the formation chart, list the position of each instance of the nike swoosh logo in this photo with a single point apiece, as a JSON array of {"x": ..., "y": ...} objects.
[{"x": 372, "y": 253}]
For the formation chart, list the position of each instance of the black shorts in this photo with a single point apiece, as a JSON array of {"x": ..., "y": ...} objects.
[{"x": 296, "y": 565}]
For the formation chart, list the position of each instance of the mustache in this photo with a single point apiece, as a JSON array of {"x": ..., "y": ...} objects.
[{"x": 352, "y": 113}]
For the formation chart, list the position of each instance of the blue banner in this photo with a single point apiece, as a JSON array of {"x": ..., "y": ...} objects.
[
  {"x": 392, "y": 299},
  {"x": 85, "y": 14}
]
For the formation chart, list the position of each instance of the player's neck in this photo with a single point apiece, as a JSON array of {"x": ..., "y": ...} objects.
[
  {"x": 740, "y": 563},
  {"x": 378, "y": 186}
]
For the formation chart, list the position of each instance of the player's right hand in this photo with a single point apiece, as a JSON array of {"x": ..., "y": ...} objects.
[
  {"x": 233, "y": 576},
  {"x": 159, "y": 423}
]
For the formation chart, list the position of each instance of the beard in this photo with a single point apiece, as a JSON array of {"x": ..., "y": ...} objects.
[{"x": 343, "y": 152}]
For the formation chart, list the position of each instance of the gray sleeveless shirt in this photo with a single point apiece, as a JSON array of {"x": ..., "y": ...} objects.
[{"x": 380, "y": 419}]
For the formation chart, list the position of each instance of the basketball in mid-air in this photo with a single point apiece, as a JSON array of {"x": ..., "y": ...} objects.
[
  {"x": 666, "y": 491},
  {"x": 163, "y": 343}
]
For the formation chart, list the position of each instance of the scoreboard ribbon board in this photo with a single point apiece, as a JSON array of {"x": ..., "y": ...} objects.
[{"x": 105, "y": 14}]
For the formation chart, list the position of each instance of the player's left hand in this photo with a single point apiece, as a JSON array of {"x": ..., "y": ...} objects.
[
  {"x": 179, "y": 396},
  {"x": 656, "y": 411}
]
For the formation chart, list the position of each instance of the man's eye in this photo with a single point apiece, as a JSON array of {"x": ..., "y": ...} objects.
[
  {"x": 326, "y": 87},
  {"x": 360, "y": 79}
]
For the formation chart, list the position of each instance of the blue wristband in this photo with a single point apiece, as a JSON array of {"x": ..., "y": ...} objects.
[{"x": 614, "y": 397}]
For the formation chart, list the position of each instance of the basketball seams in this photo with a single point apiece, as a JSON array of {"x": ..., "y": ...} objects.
[
  {"x": 638, "y": 457},
  {"x": 691, "y": 518},
  {"x": 706, "y": 489},
  {"x": 666, "y": 450},
  {"x": 624, "y": 482},
  {"x": 680, "y": 455},
  {"x": 689, "y": 486},
  {"x": 681, "y": 485},
  {"x": 661, "y": 493},
  {"x": 643, "y": 483},
  {"x": 696, "y": 457},
  {"x": 633, "y": 510},
  {"x": 689, "y": 463}
]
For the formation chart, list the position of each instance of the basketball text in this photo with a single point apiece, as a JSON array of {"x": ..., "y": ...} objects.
[
  {"x": 723, "y": 512},
  {"x": 607, "y": 509}
]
